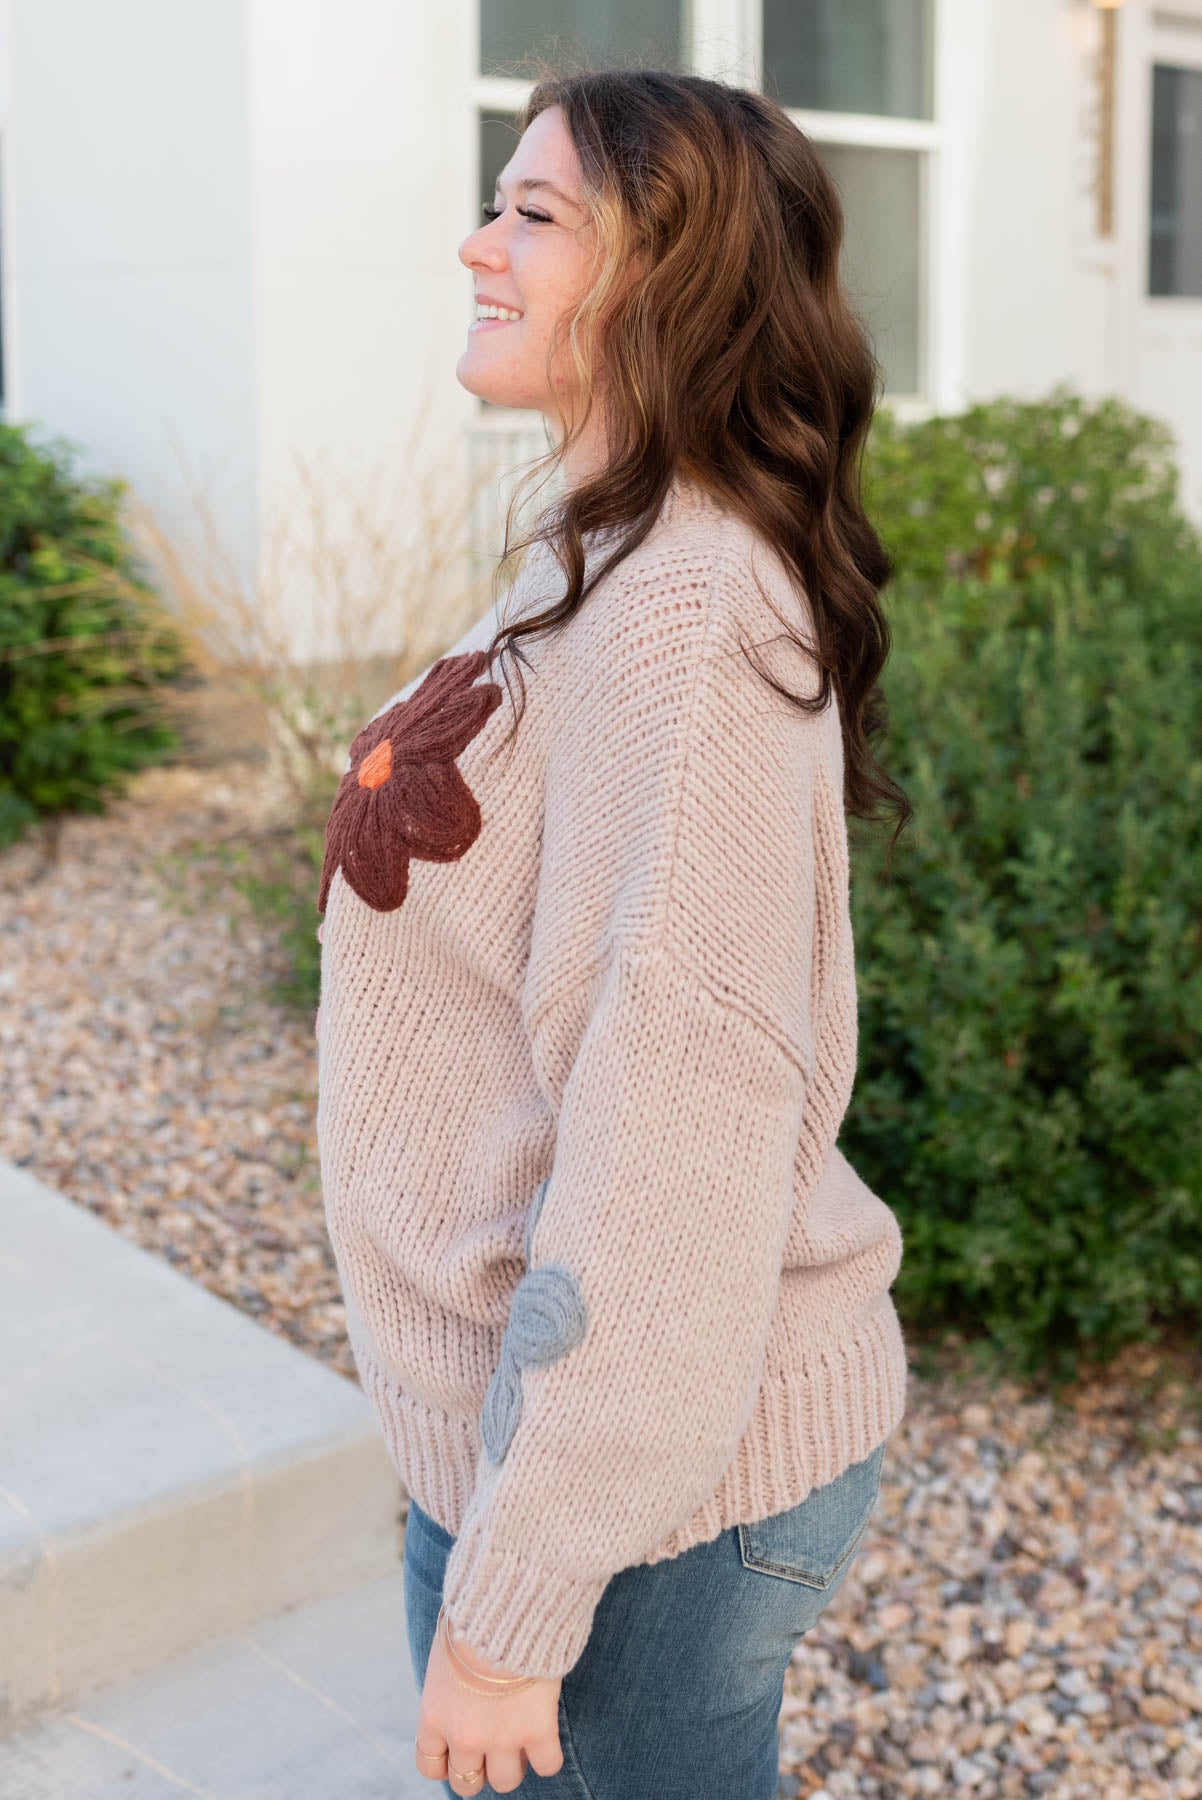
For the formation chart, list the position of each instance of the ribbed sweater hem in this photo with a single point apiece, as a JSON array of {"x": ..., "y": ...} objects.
[{"x": 811, "y": 1422}]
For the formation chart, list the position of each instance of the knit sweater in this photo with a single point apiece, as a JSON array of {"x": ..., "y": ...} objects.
[{"x": 588, "y": 1032}]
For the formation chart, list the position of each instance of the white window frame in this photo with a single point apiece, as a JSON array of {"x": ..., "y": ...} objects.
[
  {"x": 1148, "y": 34},
  {"x": 723, "y": 39}
]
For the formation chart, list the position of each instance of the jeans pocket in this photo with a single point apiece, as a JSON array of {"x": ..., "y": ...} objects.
[{"x": 813, "y": 1542}]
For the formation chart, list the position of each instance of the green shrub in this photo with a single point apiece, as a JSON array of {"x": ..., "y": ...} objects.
[
  {"x": 1029, "y": 1095},
  {"x": 281, "y": 887},
  {"x": 1012, "y": 487},
  {"x": 83, "y": 646}
]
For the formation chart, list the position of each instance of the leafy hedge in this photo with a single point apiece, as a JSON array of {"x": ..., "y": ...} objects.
[
  {"x": 1029, "y": 1096},
  {"x": 83, "y": 646}
]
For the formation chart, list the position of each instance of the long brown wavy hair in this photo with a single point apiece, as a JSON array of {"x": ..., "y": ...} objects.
[{"x": 734, "y": 359}]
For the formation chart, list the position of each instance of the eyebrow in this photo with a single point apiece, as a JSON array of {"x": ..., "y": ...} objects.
[{"x": 531, "y": 182}]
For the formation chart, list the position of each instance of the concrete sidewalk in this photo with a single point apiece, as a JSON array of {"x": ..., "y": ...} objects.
[
  {"x": 175, "y": 1478},
  {"x": 316, "y": 1705}
]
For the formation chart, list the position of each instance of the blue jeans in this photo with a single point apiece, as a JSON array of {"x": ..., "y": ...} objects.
[{"x": 678, "y": 1692}]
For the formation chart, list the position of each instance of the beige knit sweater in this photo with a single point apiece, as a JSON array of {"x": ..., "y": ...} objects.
[{"x": 588, "y": 1032}]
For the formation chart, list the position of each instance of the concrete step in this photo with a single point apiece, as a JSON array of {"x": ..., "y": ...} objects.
[
  {"x": 171, "y": 1473},
  {"x": 318, "y": 1704}
]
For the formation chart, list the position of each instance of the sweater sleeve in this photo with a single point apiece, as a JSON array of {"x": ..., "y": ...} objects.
[{"x": 668, "y": 999}]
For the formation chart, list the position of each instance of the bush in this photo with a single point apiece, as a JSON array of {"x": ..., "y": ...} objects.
[
  {"x": 82, "y": 644},
  {"x": 1014, "y": 487},
  {"x": 281, "y": 883},
  {"x": 1029, "y": 1095}
]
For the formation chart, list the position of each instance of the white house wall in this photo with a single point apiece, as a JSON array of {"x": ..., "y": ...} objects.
[
  {"x": 231, "y": 231},
  {"x": 363, "y": 183},
  {"x": 1157, "y": 359},
  {"x": 127, "y": 245},
  {"x": 1034, "y": 313}
]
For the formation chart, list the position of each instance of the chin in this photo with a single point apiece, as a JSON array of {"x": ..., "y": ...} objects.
[{"x": 490, "y": 384}]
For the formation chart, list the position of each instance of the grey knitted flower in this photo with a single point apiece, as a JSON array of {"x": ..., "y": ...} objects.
[{"x": 547, "y": 1318}]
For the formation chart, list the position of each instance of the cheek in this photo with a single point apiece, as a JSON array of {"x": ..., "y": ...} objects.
[{"x": 551, "y": 279}]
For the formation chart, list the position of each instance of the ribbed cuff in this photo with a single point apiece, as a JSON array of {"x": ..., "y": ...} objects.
[{"x": 521, "y": 1614}]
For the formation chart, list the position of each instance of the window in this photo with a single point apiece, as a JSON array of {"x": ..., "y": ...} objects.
[
  {"x": 498, "y": 139},
  {"x": 851, "y": 56},
  {"x": 858, "y": 77},
  {"x": 881, "y": 264},
  {"x": 1175, "y": 215},
  {"x": 603, "y": 30}
]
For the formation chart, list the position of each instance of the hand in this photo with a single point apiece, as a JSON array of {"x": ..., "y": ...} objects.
[{"x": 502, "y": 1736}]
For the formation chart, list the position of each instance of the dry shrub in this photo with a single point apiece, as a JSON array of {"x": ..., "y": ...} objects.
[{"x": 363, "y": 576}]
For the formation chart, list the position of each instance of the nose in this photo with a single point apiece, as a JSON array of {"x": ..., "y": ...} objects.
[{"x": 480, "y": 251}]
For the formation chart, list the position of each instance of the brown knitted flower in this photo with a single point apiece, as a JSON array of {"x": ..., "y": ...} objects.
[{"x": 402, "y": 795}]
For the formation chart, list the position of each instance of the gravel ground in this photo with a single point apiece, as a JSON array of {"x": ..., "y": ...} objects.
[{"x": 1025, "y": 1615}]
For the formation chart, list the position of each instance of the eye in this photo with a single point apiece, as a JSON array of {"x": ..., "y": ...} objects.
[{"x": 494, "y": 212}]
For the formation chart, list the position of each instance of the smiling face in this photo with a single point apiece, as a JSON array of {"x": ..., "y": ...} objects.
[{"x": 536, "y": 257}]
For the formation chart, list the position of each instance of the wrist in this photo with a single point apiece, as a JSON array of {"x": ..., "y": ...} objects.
[{"x": 478, "y": 1663}]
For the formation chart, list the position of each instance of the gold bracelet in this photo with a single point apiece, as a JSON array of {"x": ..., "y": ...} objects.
[
  {"x": 505, "y": 1684},
  {"x": 493, "y": 1680}
]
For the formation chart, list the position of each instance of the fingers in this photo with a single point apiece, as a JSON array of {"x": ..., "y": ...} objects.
[
  {"x": 466, "y": 1771},
  {"x": 503, "y": 1771},
  {"x": 544, "y": 1755},
  {"x": 429, "y": 1759}
]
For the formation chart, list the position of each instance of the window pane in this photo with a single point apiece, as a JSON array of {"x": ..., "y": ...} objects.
[
  {"x": 498, "y": 141},
  {"x": 603, "y": 30},
  {"x": 860, "y": 56},
  {"x": 880, "y": 260},
  {"x": 1175, "y": 235}
]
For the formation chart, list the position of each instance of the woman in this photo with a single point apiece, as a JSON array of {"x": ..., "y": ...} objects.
[{"x": 589, "y": 1013}]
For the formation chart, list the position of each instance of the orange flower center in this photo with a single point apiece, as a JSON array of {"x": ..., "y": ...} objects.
[{"x": 376, "y": 768}]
